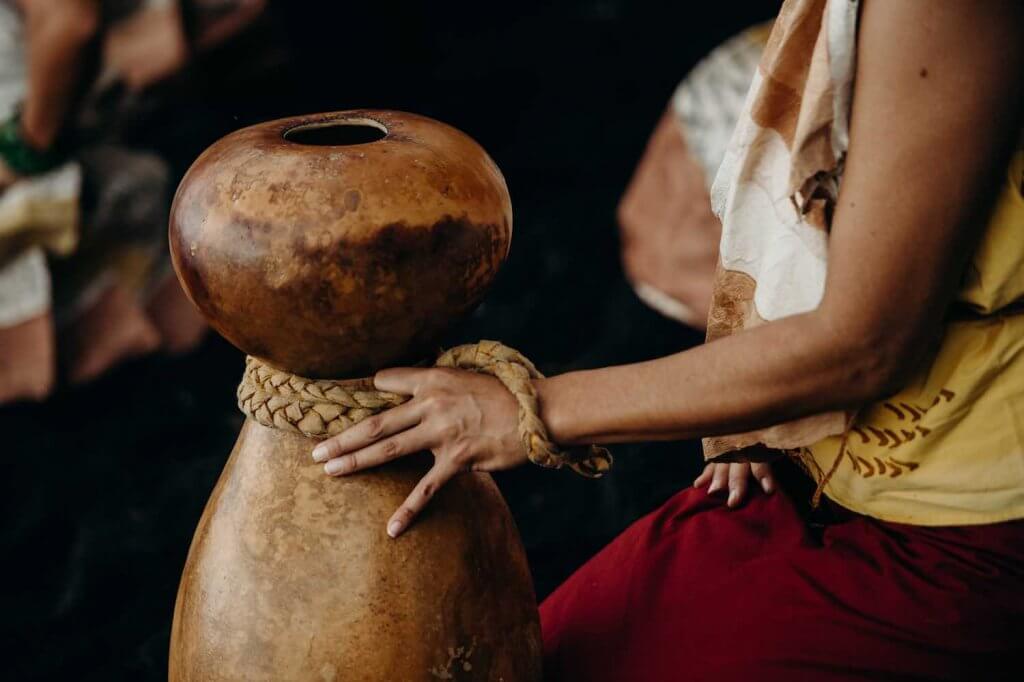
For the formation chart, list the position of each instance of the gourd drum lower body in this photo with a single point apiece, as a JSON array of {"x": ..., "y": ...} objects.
[{"x": 291, "y": 576}]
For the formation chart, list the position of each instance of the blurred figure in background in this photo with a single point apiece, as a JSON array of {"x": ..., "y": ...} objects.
[
  {"x": 84, "y": 272},
  {"x": 669, "y": 233}
]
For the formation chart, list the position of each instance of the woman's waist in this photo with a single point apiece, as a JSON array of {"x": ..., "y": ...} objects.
[{"x": 964, "y": 394}]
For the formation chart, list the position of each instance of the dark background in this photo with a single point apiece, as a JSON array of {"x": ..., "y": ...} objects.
[{"x": 103, "y": 485}]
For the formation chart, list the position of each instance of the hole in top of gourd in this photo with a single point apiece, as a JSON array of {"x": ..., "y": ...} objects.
[{"x": 337, "y": 133}]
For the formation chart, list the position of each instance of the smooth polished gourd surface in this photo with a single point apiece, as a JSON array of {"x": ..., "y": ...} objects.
[
  {"x": 332, "y": 261},
  {"x": 292, "y": 577}
]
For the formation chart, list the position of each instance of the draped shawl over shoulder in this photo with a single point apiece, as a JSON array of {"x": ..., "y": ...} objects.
[{"x": 777, "y": 187}]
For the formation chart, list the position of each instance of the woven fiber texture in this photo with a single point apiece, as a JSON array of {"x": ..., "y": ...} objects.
[{"x": 320, "y": 408}]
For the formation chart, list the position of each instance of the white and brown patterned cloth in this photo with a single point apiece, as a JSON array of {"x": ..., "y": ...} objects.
[
  {"x": 669, "y": 234},
  {"x": 776, "y": 189}
]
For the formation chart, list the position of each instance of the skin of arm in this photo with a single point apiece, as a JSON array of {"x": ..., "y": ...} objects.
[
  {"x": 935, "y": 114},
  {"x": 58, "y": 33},
  {"x": 932, "y": 122}
]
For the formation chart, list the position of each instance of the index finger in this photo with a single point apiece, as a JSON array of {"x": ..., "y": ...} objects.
[
  {"x": 369, "y": 431},
  {"x": 418, "y": 498}
]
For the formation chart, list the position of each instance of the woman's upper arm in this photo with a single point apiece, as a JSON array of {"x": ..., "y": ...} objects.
[{"x": 936, "y": 111}]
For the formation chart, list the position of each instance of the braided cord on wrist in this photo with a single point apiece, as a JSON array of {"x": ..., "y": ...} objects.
[
  {"x": 516, "y": 373},
  {"x": 320, "y": 408}
]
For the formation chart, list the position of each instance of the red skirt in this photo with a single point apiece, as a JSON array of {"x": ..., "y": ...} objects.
[{"x": 695, "y": 591}]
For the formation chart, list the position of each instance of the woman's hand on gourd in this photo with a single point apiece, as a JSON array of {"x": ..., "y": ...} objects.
[
  {"x": 734, "y": 477},
  {"x": 468, "y": 421}
]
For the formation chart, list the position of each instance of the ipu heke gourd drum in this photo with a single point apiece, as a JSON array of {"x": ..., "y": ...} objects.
[{"x": 330, "y": 246}]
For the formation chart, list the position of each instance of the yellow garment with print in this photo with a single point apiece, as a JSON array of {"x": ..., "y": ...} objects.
[{"x": 949, "y": 448}]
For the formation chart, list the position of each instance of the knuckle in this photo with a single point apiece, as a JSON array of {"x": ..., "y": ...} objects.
[
  {"x": 461, "y": 454},
  {"x": 449, "y": 432},
  {"x": 389, "y": 448},
  {"x": 374, "y": 426},
  {"x": 350, "y": 463},
  {"x": 444, "y": 401},
  {"x": 432, "y": 401},
  {"x": 428, "y": 490}
]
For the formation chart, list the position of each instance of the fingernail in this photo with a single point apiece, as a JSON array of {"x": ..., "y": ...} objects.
[
  {"x": 320, "y": 453},
  {"x": 714, "y": 488},
  {"x": 336, "y": 466},
  {"x": 394, "y": 528},
  {"x": 766, "y": 485},
  {"x": 734, "y": 497}
]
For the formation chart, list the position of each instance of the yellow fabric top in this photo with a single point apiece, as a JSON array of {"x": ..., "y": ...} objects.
[{"x": 949, "y": 448}]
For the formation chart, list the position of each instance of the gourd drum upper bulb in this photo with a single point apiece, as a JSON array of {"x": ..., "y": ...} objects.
[{"x": 333, "y": 259}]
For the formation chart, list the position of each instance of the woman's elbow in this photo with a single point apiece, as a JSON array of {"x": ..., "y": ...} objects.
[
  {"x": 876, "y": 377},
  {"x": 873, "y": 364}
]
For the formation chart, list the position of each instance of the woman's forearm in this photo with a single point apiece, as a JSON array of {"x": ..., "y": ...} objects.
[{"x": 760, "y": 377}]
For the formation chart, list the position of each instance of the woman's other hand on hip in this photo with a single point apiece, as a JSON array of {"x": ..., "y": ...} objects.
[{"x": 734, "y": 477}]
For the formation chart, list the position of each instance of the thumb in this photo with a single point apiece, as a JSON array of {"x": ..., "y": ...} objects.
[{"x": 401, "y": 380}]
